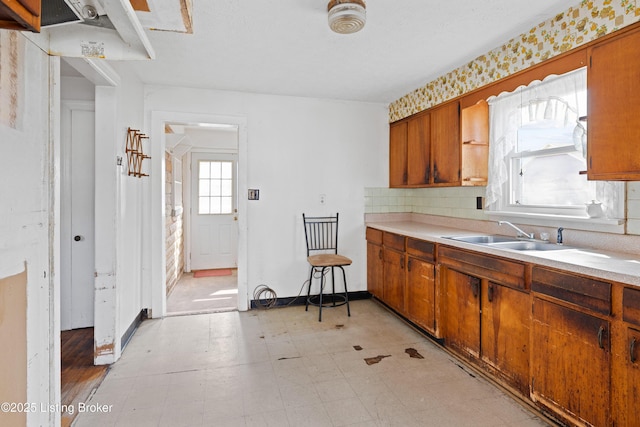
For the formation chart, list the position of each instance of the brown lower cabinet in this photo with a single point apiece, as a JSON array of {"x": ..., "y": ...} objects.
[
  {"x": 401, "y": 273},
  {"x": 632, "y": 375},
  {"x": 461, "y": 312},
  {"x": 626, "y": 367},
  {"x": 567, "y": 342},
  {"x": 374, "y": 262},
  {"x": 420, "y": 288},
  {"x": 394, "y": 278},
  {"x": 421, "y": 293},
  {"x": 570, "y": 363},
  {"x": 486, "y": 320}
]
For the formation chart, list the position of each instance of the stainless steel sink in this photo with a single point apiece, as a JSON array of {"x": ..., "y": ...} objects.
[
  {"x": 529, "y": 246},
  {"x": 512, "y": 243},
  {"x": 485, "y": 240}
]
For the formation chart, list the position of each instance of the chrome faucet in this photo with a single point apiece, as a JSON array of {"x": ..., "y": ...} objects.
[
  {"x": 521, "y": 233},
  {"x": 559, "y": 237}
]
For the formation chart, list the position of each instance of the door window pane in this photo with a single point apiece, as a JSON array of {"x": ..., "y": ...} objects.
[{"x": 215, "y": 187}]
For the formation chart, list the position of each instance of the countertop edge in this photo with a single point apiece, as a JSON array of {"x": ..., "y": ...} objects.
[{"x": 613, "y": 266}]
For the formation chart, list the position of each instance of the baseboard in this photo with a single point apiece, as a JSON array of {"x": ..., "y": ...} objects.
[
  {"x": 301, "y": 300},
  {"x": 132, "y": 328}
]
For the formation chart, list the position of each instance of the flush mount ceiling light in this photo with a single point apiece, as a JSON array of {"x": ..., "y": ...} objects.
[{"x": 347, "y": 16}]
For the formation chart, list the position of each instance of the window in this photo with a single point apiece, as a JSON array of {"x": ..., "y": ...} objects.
[
  {"x": 215, "y": 187},
  {"x": 538, "y": 151}
]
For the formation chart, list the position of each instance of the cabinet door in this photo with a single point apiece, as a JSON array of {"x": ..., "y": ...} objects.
[
  {"x": 394, "y": 279},
  {"x": 633, "y": 376},
  {"x": 398, "y": 154},
  {"x": 462, "y": 312},
  {"x": 418, "y": 150},
  {"x": 421, "y": 293},
  {"x": 374, "y": 269},
  {"x": 570, "y": 363},
  {"x": 506, "y": 316},
  {"x": 474, "y": 122},
  {"x": 613, "y": 81},
  {"x": 445, "y": 143}
]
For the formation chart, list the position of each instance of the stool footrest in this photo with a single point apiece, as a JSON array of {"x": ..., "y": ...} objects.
[{"x": 328, "y": 300}]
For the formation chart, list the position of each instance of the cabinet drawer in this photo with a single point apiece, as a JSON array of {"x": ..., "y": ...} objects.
[
  {"x": 374, "y": 236},
  {"x": 420, "y": 249},
  {"x": 508, "y": 273},
  {"x": 393, "y": 241},
  {"x": 631, "y": 305},
  {"x": 583, "y": 291}
]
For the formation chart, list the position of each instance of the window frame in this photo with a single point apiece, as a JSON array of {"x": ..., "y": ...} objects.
[
  {"x": 574, "y": 216},
  {"x": 209, "y": 196}
]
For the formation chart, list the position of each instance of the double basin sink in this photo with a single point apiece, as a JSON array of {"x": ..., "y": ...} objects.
[{"x": 512, "y": 243}]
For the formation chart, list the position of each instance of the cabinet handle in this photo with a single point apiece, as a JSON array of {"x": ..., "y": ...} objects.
[
  {"x": 405, "y": 178},
  {"x": 601, "y": 332},
  {"x": 427, "y": 174},
  {"x": 380, "y": 254},
  {"x": 402, "y": 263},
  {"x": 632, "y": 350},
  {"x": 409, "y": 265},
  {"x": 490, "y": 293},
  {"x": 435, "y": 173}
]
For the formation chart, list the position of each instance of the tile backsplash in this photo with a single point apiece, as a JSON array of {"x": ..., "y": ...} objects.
[
  {"x": 460, "y": 202},
  {"x": 457, "y": 202}
]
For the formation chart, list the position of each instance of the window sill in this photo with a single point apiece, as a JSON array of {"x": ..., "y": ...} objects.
[{"x": 606, "y": 225}]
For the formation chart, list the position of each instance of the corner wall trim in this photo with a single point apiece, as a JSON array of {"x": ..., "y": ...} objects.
[{"x": 132, "y": 328}]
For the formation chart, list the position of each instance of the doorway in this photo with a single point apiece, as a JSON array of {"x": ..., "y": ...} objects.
[
  {"x": 202, "y": 171},
  {"x": 77, "y": 211}
]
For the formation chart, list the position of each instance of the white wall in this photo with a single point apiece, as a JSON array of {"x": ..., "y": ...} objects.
[
  {"x": 210, "y": 138},
  {"x": 118, "y": 215},
  {"x": 77, "y": 88},
  {"x": 25, "y": 206},
  {"x": 298, "y": 148},
  {"x": 130, "y": 114}
]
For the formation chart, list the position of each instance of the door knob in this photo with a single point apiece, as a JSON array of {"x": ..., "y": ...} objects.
[{"x": 77, "y": 238}]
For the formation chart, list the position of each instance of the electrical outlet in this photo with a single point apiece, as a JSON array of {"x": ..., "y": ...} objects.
[{"x": 323, "y": 199}]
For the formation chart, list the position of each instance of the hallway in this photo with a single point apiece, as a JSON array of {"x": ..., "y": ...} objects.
[
  {"x": 203, "y": 294},
  {"x": 281, "y": 367}
]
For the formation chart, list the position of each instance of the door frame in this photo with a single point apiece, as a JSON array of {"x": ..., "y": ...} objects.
[{"x": 156, "y": 277}]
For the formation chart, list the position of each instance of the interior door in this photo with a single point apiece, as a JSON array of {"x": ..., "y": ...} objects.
[
  {"x": 78, "y": 216},
  {"x": 214, "y": 213}
]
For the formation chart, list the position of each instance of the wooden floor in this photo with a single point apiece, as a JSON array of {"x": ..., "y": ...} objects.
[{"x": 79, "y": 376}]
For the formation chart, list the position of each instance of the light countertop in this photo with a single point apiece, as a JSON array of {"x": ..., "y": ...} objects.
[{"x": 614, "y": 266}]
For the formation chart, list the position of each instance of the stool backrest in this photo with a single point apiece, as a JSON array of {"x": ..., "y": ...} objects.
[{"x": 321, "y": 233}]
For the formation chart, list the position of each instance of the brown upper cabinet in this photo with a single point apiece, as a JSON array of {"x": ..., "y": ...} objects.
[
  {"x": 445, "y": 144},
  {"x": 424, "y": 149},
  {"x": 410, "y": 151},
  {"x": 453, "y": 138},
  {"x": 613, "y": 81},
  {"x": 474, "y": 123},
  {"x": 20, "y": 14}
]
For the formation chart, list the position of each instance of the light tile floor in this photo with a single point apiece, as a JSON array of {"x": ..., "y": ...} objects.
[
  {"x": 281, "y": 367},
  {"x": 203, "y": 294}
]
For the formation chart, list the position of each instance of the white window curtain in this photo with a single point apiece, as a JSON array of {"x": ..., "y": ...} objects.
[{"x": 556, "y": 97}]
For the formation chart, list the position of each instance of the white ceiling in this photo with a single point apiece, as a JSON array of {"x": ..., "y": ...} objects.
[{"x": 285, "y": 47}]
